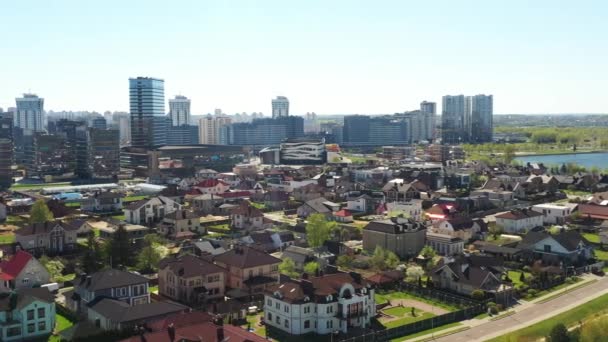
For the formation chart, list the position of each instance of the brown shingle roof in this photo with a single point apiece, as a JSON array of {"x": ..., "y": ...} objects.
[
  {"x": 519, "y": 214},
  {"x": 246, "y": 257},
  {"x": 43, "y": 228},
  {"x": 188, "y": 266}
]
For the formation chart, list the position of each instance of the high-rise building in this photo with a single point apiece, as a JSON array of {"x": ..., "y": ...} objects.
[
  {"x": 264, "y": 132},
  {"x": 209, "y": 128},
  {"x": 30, "y": 113},
  {"x": 179, "y": 110},
  {"x": 124, "y": 127},
  {"x": 280, "y": 107},
  {"x": 182, "y": 135},
  {"x": 99, "y": 123},
  {"x": 454, "y": 121},
  {"x": 7, "y": 157},
  {"x": 428, "y": 107},
  {"x": 482, "y": 122},
  {"x": 379, "y": 130},
  {"x": 97, "y": 153},
  {"x": 49, "y": 157},
  {"x": 147, "y": 103}
]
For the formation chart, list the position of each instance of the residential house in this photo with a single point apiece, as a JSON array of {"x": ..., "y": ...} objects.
[
  {"x": 543, "y": 183},
  {"x": 398, "y": 189},
  {"x": 22, "y": 270},
  {"x": 102, "y": 202},
  {"x": 461, "y": 227},
  {"x": 27, "y": 314},
  {"x": 206, "y": 203},
  {"x": 593, "y": 211},
  {"x": 135, "y": 232},
  {"x": 386, "y": 279},
  {"x": 565, "y": 248},
  {"x": 191, "y": 279},
  {"x": 362, "y": 203},
  {"x": 467, "y": 274},
  {"x": 150, "y": 211},
  {"x": 181, "y": 224},
  {"x": 498, "y": 198},
  {"x": 317, "y": 206},
  {"x": 308, "y": 192},
  {"x": 411, "y": 208},
  {"x": 404, "y": 237},
  {"x": 111, "y": 314},
  {"x": 249, "y": 269},
  {"x": 445, "y": 244},
  {"x": 519, "y": 220},
  {"x": 3, "y": 212},
  {"x": 125, "y": 286},
  {"x": 276, "y": 200},
  {"x": 248, "y": 217},
  {"x": 343, "y": 216},
  {"x": 499, "y": 185},
  {"x": 300, "y": 256},
  {"x": 52, "y": 237},
  {"x": 320, "y": 305},
  {"x": 555, "y": 213},
  {"x": 212, "y": 186},
  {"x": 261, "y": 240}
]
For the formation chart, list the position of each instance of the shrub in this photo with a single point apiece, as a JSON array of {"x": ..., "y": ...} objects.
[
  {"x": 493, "y": 310},
  {"x": 526, "y": 268},
  {"x": 532, "y": 292},
  {"x": 478, "y": 294},
  {"x": 360, "y": 263}
]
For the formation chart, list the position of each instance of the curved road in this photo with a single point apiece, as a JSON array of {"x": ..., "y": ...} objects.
[{"x": 531, "y": 314}]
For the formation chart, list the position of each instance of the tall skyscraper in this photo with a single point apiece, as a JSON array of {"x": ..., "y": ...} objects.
[
  {"x": 428, "y": 107},
  {"x": 97, "y": 153},
  {"x": 99, "y": 123},
  {"x": 280, "y": 107},
  {"x": 482, "y": 121},
  {"x": 179, "y": 110},
  {"x": 147, "y": 103},
  {"x": 454, "y": 119},
  {"x": 209, "y": 128},
  {"x": 7, "y": 157},
  {"x": 30, "y": 113}
]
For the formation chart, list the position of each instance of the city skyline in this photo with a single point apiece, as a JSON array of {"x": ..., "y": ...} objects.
[{"x": 348, "y": 58}]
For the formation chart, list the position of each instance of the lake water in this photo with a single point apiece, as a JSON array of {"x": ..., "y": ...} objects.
[{"x": 588, "y": 160}]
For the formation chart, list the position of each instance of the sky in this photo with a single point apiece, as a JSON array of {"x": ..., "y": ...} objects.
[{"x": 326, "y": 56}]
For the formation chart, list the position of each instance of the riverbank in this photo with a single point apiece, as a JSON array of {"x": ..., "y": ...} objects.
[
  {"x": 588, "y": 160},
  {"x": 550, "y": 153}
]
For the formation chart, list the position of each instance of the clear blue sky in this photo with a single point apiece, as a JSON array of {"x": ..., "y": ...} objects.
[{"x": 326, "y": 56}]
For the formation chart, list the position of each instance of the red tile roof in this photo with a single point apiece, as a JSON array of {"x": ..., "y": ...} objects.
[
  {"x": 518, "y": 214},
  {"x": 593, "y": 211},
  {"x": 16, "y": 264},
  {"x": 196, "y": 332},
  {"x": 343, "y": 213},
  {"x": 235, "y": 194},
  {"x": 210, "y": 183}
]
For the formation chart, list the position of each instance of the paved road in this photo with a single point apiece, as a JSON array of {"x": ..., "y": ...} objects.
[{"x": 531, "y": 314}]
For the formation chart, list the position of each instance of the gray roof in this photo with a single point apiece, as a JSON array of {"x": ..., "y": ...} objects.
[
  {"x": 119, "y": 311},
  {"x": 108, "y": 279},
  {"x": 318, "y": 205},
  {"x": 395, "y": 226}
]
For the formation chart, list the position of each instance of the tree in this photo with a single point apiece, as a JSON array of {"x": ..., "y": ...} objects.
[
  {"x": 428, "y": 252},
  {"x": 413, "y": 273},
  {"x": 92, "y": 259},
  {"x": 288, "y": 268},
  {"x": 149, "y": 257},
  {"x": 478, "y": 294},
  {"x": 391, "y": 261},
  {"x": 378, "y": 260},
  {"x": 508, "y": 154},
  {"x": 522, "y": 277},
  {"x": 311, "y": 267},
  {"x": 413, "y": 311},
  {"x": 40, "y": 212},
  {"x": 318, "y": 230},
  {"x": 559, "y": 333},
  {"x": 495, "y": 230},
  {"x": 344, "y": 261},
  {"x": 120, "y": 248},
  {"x": 53, "y": 266},
  {"x": 594, "y": 330}
]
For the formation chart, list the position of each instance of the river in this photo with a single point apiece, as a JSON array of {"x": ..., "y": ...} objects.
[{"x": 588, "y": 160}]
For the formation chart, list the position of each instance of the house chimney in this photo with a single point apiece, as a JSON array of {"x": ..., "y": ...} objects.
[{"x": 171, "y": 332}]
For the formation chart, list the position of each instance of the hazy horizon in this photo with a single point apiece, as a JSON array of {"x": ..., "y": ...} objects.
[{"x": 336, "y": 57}]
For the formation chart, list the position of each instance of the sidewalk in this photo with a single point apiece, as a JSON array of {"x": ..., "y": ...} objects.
[{"x": 518, "y": 308}]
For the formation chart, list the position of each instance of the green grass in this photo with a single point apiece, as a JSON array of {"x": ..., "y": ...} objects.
[
  {"x": 15, "y": 220},
  {"x": 153, "y": 289},
  {"x": 420, "y": 315},
  {"x": 383, "y": 298},
  {"x": 589, "y": 310},
  {"x": 397, "y": 311},
  {"x": 595, "y": 238},
  {"x": 7, "y": 238},
  {"x": 252, "y": 321},
  {"x": 119, "y": 217},
  {"x": 64, "y": 278},
  {"x": 426, "y": 332},
  {"x": 258, "y": 205},
  {"x": 72, "y": 204},
  {"x": 553, "y": 289},
  {"x": 548, "y": 298},
  {"x": 514, "y": 276},
  {"x": 482, "y": 315},
  {"x": 133, "y": 198},
  {"x": 61, "y": 323},
  {"x": 37, "y": 186},
  {"x": 601, "y": 255}
]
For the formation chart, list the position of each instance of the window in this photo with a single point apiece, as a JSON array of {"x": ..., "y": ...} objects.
[
  {"x": 547, "y": 248},
  {"x": 31, "y": 328},
  {"x": 306, "y": 324},
  {"x": 213, "y": 278},
  {"x": 42, "y": 326},
  {"x": 30, "y": 315},
  {"x": 330, "y": 309},
  {"x": 286, "y": 308},
  {"x": 307, "y": 309},
  {"x": 41, "y": 313},
  {"x": 286, "y": 323},
  {"x": 278, "y": 305},
  {"x": 269, "y": 316},
  {"x": 278, "y": 319},
  {"x": 269, "y": 302},
  {"x": 14, "y": 331},
  {"x": 329, "y": 324}
]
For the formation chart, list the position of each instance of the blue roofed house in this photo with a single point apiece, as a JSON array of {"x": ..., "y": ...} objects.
[{"x": 27, "y": 314}]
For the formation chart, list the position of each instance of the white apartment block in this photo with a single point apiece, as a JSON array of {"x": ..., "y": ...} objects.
[
  {"x": 555, "y": 213},
  {"x": 209, "y": 128},
  {"x": 30, "y": 113},
  {"x": 179, "y": 110},
  {"x": 280, "y": 107}
]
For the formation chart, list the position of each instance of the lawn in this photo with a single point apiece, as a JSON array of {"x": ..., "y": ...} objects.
[
  {"x": 397, "y": 311},
  {"x": 601, "y": 255},
  {"x": 553, "y": 289},
  {"x": 73, "y": 204},
  {"x": 120, "y": 217},
  {"x": 7, "y": 238},
  {"x": 595, "y": 238},
  {"x": 252, "y": 322},
  {"x": 514, "y": 276},
  {"x": 420, "y": 315},
  {"x": 61, "y": 323},
  {"x": 37, "y": 186},
  {"x": 426, "y": 332},
  {"x": 589, "y": 310},
  {"x": 15, "y": 220},
  {"x": 258, "y": 205},
  {"x": 153, "y": 289},
  {"x": 64, "y": 278},
  {"x": 133, "y": 198},
  {"x": 383, "y": 298}
]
